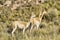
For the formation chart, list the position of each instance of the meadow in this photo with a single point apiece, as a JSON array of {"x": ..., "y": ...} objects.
[{"x": 49, "y": 28}]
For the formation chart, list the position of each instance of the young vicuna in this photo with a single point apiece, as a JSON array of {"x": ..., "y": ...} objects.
[
  {"x": 37, "y": 20},
  {"x": 21, "y": 24}
]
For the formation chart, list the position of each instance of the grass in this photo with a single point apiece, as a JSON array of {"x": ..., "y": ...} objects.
[{"x": 49, "y": 28}]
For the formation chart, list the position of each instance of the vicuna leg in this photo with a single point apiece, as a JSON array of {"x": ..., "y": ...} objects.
[
  {"x": 31, "y": 28},
  {"x": 37, "y": 26},
  {"x": 14, "y": 29},
  {"x": 23, "y": 30}
]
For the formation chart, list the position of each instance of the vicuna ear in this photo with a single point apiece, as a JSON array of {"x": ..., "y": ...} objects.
[
  {"x": 40, "y": 14},
  {"x": 33, "y": 15}
]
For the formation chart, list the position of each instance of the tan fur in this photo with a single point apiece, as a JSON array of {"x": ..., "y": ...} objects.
[
  {"x": 37, "y": 20},
  {"x": 21, "y": 24}
]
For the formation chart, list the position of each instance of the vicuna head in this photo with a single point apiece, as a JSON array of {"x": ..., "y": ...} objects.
[{"x": 42, "y": 13}]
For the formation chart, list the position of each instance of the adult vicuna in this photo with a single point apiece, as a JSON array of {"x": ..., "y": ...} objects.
[{"x": 21, "y": 24}]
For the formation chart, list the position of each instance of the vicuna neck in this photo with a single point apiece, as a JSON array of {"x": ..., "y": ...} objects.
[{"x": 41, "y": 15}]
